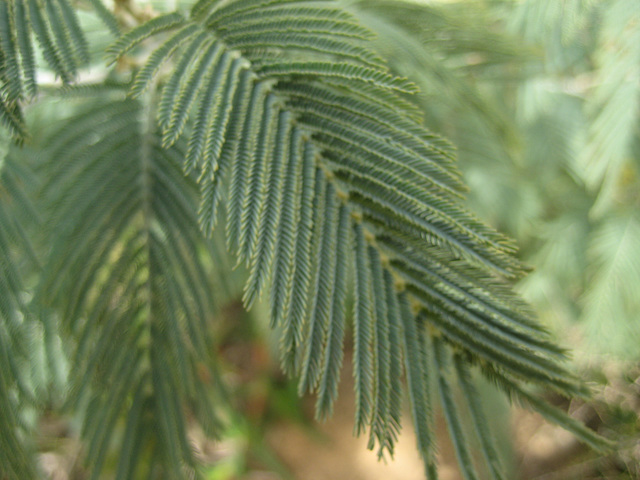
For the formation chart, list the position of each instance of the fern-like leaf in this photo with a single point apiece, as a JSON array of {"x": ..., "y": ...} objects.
[
  {"x": 451, "y": 412},
  {"x": 318, "y": 149},
  {"x": 131, "y": 260},
  {"x": 16, "y": 460},
  {"x": 55, "y": 26},
  {"x": 471, "y": 397}
]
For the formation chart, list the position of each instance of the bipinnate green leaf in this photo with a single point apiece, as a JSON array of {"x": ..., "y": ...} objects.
[{"x": 332, "y": 185}]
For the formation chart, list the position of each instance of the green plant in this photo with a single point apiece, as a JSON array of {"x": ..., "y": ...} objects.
[
  {"x": 554, "y": 74},
  {"x": 281, "y": 118}
]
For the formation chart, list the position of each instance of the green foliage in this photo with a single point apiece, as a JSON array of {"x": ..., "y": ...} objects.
[
  {"x": 128, "y": 275},
  {"x": 597, "y": 176},
  {"x": 614, "y": 273},
  {"x": 54, "y": 25},
  {"x": 284, "y": 117},
  {"x": 15, "y": 391},
  {"x": 548, "y": 145}
]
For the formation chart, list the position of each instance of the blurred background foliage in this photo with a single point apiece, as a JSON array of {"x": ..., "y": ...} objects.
[{"x": 542, "y": 100}]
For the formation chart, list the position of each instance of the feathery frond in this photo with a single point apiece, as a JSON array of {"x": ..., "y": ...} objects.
[
  {"x": 480, "y": 423},
  {"x": 126, "y": 274},
  {"x": 418, "y": 367},
  {"x": 16, "y": 459},
  {"x": 451, "y": 412},
  {"x": 54, "y": 25},
  {"x": 294, "y": 114},
  {"x": 107, "y": 17}
]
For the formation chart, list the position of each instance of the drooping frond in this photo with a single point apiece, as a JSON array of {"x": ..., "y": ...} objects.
[
  {"x": 16, "y": 459},
  {"x": 451, "y": 412},
  {"x": 529, "y": 400},
  {"x": 127, "y": 274},
  {"x": 479, "y": 419},
  {"x": 326, "y": 170},
  {"x": 11, "y": 118},
  {"x": 418, "y": 368},
  {"x": 107, "y": 17},
  {"x": 333, "y": 353},
  {"x": 55, "y": 27}
]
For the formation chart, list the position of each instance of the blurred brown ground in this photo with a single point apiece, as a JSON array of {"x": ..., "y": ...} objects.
[{"x": 337, "y": 454}]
